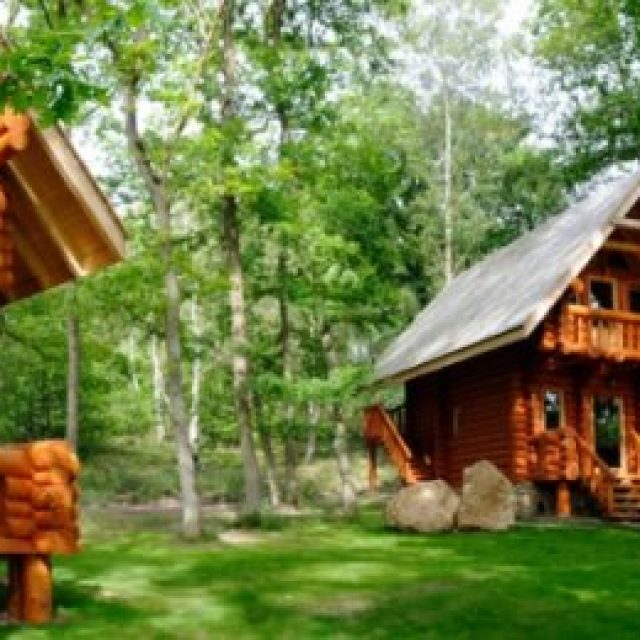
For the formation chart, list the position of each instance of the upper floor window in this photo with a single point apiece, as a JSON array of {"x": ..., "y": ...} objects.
[
  {"x": 634, "y": 299},
  {"x": 602, "y": 294}
]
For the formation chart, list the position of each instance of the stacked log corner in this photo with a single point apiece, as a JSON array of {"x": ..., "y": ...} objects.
[{"x": 38, "y": 518}]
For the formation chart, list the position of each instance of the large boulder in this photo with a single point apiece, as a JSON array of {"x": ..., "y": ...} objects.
[
  {"x": 488, "y": 499},
  {"x": 424, "y": 507}
]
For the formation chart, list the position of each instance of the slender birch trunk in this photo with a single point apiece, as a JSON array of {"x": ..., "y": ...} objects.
[
  {"x": 231, "y": 243},
  {"x": 196, "y": 378},
  {"x": 174, "y": 383},
  {"x": 133, "y": 374},
  {"x": 446, "y": 204},
  {"x": 73, "y": 379},
  {"x": 269, "y": 457},
  {"x": 274, "y": 24},
  {"x": 313, "y": 416},
  {"x": 158, "y": 386}
]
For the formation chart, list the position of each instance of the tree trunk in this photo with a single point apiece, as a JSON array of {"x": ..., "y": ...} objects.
[
  {"x": 196, "y": 375},
  {"x": 446, "y": 204},
  {"x": 274, "y": 24},
  {"x": 290, "y": 456},
  {"x": 348, "y": 492},
  {"x": 269, "y": 456},
  {"x": 314, "y": 416},
  {"x": 231, "y": 242},
  {"x": 159, "y": 396},
  {"x": 73, "y": 379},
  {"x": 174, "y": 384},
  {"x": 131, "y": 353},
  {"x": 240, "y": 360}
]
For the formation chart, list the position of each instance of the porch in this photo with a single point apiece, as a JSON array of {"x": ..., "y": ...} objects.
[{"x": 561, "y": 457}]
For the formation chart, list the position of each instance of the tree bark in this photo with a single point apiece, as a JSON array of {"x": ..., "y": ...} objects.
[
  {"x": 314, "y": 416},
  {"x": 73, "y": 379},
  {"x": 159, "y": 396},
  {"x": 196, "y": 376},
  {"x": 348, "y": 492},
  {"x": 269, "y": 456},
  {"x": 174, "y": 384},
  {"x": 231, "y": 243},
  {"x": 133, "y": 374},
  {"x": 446, "y": 204}
]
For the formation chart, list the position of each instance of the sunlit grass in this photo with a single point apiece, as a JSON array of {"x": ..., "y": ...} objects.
[{"x": 313, "y": 579}]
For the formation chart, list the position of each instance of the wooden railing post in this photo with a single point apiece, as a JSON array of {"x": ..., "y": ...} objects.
[
  {"x": 563, "y": 499},
  {"x": 37, "y": 589}
]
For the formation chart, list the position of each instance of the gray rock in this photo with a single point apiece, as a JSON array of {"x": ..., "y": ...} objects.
[
  {"x": 488, "y": 499},
  {"x": 425, "y": 507}
]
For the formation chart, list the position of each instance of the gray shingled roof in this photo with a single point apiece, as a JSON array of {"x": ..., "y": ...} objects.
[{"x": 504, "y": 297}]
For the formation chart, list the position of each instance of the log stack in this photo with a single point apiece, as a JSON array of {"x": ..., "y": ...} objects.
[
  {"x": 38, "y": 518},
  {"x": 38, "y": 497}
]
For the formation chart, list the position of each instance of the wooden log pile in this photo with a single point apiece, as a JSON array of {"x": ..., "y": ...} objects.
[{"x": 38, "y": 495}]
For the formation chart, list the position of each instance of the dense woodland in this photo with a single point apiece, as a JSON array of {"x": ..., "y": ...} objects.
[{"x": 297, "y": 179}]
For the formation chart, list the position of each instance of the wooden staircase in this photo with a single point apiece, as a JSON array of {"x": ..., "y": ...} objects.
[
  {"x": 565, "y": 456},
  {"x": 625, "y": 500},
  {"x": 380, "y": 429}
]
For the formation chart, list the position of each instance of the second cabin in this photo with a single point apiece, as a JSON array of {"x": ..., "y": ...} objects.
[{"x": 531, "y": 359}]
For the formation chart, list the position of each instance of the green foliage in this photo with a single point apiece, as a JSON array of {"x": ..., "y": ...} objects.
[{"x": 592, "y": 50}]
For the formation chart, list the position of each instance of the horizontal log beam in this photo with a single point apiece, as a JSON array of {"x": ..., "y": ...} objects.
[
  {"x": 623, "y": 247},
  {"x": 628, "y": 223}
]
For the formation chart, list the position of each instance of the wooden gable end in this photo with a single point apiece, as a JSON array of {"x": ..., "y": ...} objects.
[{"x": 55, "y": 223}]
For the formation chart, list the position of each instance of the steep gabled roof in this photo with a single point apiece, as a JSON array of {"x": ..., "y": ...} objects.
[
  {"x": 62, "y": 225},
  {"x": 503, "y": 298}
]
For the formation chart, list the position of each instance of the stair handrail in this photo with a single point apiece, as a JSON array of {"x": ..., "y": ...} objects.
[
  {"x": 600, "y": 483},
  {"x": 380, "y": 427},
  {"x": 635, "y": 445},
  {"x": 389, "y": 429}
]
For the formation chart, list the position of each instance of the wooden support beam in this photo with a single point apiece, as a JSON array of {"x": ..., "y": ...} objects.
[
  {"x": 14, "y": 601},
  {"x": 622, "y": 247},
  {"x": 563, "y": 499},
  {"x": 629, "y": 224},
  {"x": 37, "y": 589}
]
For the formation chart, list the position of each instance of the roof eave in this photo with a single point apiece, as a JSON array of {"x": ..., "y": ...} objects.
[{"x": 502, "y": 340}]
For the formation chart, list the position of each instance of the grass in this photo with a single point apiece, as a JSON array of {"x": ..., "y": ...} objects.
[{"x": 308, "y": 578}]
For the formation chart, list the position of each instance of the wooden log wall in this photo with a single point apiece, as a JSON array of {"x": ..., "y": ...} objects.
[
  {"x": 466, "y": 414},
  {"x": 38, "y": 496}
]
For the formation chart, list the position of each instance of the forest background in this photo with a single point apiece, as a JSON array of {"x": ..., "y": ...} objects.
[{"x": 297, "y": 179}]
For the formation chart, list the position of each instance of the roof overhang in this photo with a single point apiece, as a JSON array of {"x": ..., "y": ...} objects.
[{"x": 61, "y": 225}]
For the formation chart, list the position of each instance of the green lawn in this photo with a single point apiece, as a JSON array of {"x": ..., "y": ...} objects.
[{"x": 314, "y": 579}]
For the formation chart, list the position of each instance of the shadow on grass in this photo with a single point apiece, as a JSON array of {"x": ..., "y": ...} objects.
[
  {"x": 337, "y": 579},
  {"x": 78, "y": 606}
]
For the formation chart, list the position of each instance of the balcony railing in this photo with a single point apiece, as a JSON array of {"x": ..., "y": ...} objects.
[{"x": 600, "y": 332}]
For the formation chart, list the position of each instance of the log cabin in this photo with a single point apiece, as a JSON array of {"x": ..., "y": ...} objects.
[
  {"x": 531, "y": 360},
  {"x": 56, "y": 225}
]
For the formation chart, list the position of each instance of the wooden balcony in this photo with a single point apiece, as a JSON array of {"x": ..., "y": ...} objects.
[{"x": 599, "y": 332}]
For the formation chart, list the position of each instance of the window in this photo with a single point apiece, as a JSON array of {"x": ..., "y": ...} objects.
[
  {"x": 553, "y": 410},
  {"x": 634, "y": 299},
  {"x": 607, "y": 426},
  {"x": 602, "y": 294}
]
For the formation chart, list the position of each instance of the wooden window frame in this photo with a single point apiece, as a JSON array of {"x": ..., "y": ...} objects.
[
  {"x": 615, "y": 285},
  {"x": 563, "y": 415},
  {"x": 631, "y": 286},
  {"x": 623, "y": 425}
]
